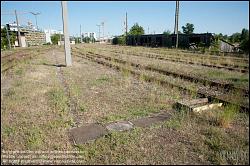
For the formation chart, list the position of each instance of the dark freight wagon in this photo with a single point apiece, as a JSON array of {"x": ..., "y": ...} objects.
[{"x": 162, "y": 40}]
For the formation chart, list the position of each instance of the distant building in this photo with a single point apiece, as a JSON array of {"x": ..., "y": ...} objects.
[
  {"x": 71, "y": 40},
  {"x": 49, "y": 33},
  {"x": 91, "y": 35}
]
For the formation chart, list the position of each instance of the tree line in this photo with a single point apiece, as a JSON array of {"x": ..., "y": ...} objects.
[{"x": 242, "y": 38}]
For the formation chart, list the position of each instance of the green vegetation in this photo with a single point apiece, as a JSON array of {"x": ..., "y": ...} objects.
[
  {"x": 114, "y": 147},
  {"x": 167, "y": 33},
  {"x": 55, "y": 38},
  {"x": 88, "y": 39},
  {"x": 188, "y": 29},
  {"x": 35, "y": 137},
  {"x": 224, "y": 118},
  {"x": 121, "y": 40},
  {"x": 132, "y": 112},
  {"x": 241, "y": 38},
  {"x": 4, "y": 39},
  {"x": 58, "y": 99},
  {"x": 136, "y": 30},
  {"x": 176, "y": 120}
]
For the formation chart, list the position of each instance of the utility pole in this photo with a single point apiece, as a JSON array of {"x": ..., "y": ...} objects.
[
  {"x": 176, "y": 22},
  {"x": 8, "y": 36},
  {"x": 148, "y": 30},
  {"x": 103, "y": 30},
  {"x": 66, "y": 34},
  {"x": 99, "y": 26},
  {"x": 35, "y": 14},
  {"x": 126, "y": 24},
  {"x": 18, "y": 29},
  {"x": 80, "y": 33}
]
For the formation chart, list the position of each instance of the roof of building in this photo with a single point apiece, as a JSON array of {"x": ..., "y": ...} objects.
[
  {"x": 226, "y": 42},
  {"x": 181, "y": 34}
]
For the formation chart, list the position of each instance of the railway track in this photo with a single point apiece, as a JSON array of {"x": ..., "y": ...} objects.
[
  {"x": 224, "y": 85},
  {"x": 160, "y": 57},
  {"x": 201, "y": 93},
  {"x": 214, "y": 57},
  {"x": 185, "y": 52},
  {"x": 12, "y": 60}
]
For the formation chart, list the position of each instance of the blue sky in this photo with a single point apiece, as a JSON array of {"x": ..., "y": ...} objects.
[{"x": 226, "y": 17}]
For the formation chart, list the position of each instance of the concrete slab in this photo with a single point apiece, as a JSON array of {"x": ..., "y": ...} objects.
[
  {"x": 194, "y": 102},
  {"x": 87, "y": 133},
  {"x": 189, "y": 104},
  {"x": 120, "y": 126},
  {"x": 145, "y": 122},
  {"x": 91, "y": 132},
  {"x": 206, "y": 107}
]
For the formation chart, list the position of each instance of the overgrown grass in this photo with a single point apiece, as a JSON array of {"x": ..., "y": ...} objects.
[
  {"x": 35, "y": 137},
  {"x": 103, "y": 79},
  {"x": 219, "y": 142},
  {"x": 115, "y": 147},
  {"x": 8, "y": 130},
  {"x": 224, "y": 118},
  {"x": 176, "y": 120},
  {"x": 132, "y": 112},
  {"x": 125, "y": 72},
  {"x": 58, "y": 99}
]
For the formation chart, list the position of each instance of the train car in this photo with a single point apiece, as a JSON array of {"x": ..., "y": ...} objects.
[{"x": 162, "y": 40}]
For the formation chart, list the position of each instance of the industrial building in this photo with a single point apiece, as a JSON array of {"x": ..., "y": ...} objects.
[
  {"x": 29, "y": 35},
  {"x": 33, "y": 38}
]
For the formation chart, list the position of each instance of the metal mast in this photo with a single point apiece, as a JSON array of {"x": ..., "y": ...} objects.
[{"x": 176, "y": 22}]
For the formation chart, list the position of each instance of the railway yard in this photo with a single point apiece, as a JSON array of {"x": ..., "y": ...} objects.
[{"x": 42, "y": 100}]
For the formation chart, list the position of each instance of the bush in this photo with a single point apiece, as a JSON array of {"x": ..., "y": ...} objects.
[
  {"x": 55, "y": 38},
  {"x": 121, "y": 40},
  {"x": 227, "y": 116},
  {"x": 47, "y": 43}
]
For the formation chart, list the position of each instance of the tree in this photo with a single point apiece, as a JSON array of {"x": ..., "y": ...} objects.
[
  {"x": 244, "y": 34},
  {"x": 168, "y": 32},
  {"x": 55, "y": 38},
  {"x": 188, "y": 29},
  {"x": 225, "y": 37},
  {"x": 235, "y": 37},
  {"x": 121, "y": 40},
  {"x": 77, "y": 40},
  {"x": 244, "y": 44},
  {"x": 136, "y": 30},
  {"x": 4, "y": 39},
  {"x": 86, "y": 39}
]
